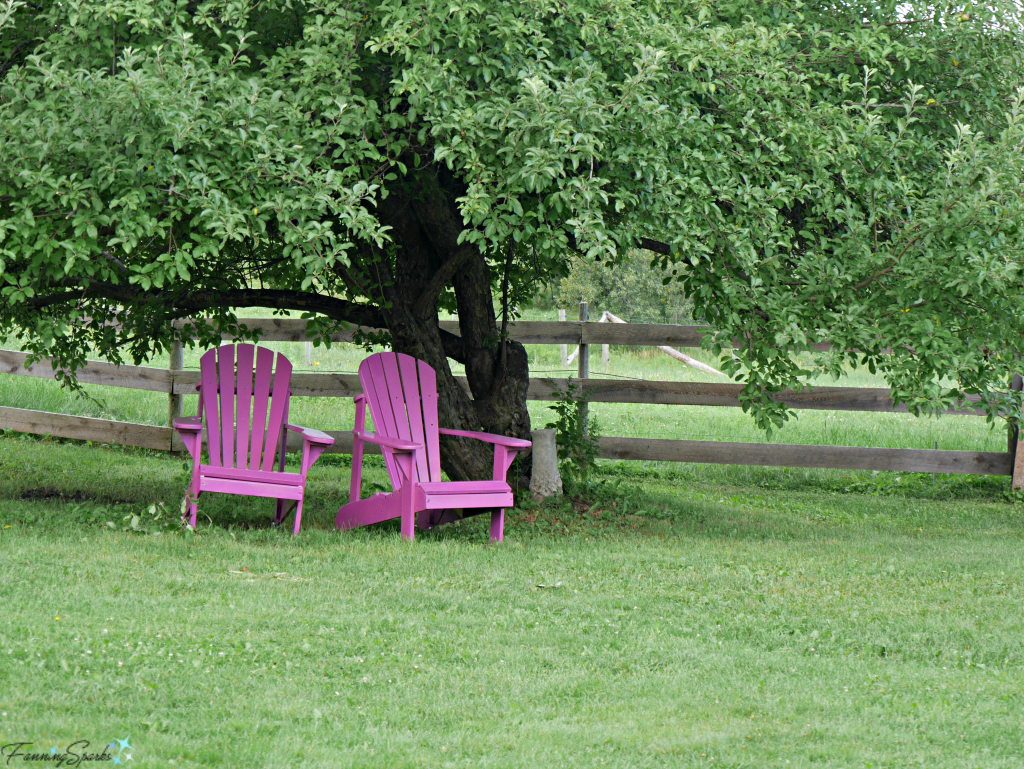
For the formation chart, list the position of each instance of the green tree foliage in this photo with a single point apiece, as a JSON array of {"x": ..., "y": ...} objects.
[
  {"x": 634, "y": 290},
  {"x": 844, "y": 171}
]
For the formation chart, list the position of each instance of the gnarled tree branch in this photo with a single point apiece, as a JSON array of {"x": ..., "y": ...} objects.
[
  {"x": 425, "y": 304},
  {"x": 184, "y": 304}
]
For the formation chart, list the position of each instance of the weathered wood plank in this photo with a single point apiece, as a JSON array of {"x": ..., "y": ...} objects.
[
  {"x": 527, "y": 332},
  {"x": 131, "y": 433},
  {"x": 712, "y": 452},
  {"x": 329, "y": 385},
  {"x": 533, "y": 331},
  {"x": 85, "y": 428},
  {"x": 671, "y": 351},
  {"x": 722, "y": 394},
  {"x": 286, "y": 330},
  {"x": 95, "y": 372},
  {"x": 789, "y": 455},
  {"x": 643, "y": 334},
  {"x": 524, "y": 331},
  {"x": 622, "y": 391}
]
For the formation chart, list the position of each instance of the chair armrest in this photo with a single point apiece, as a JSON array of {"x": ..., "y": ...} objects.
[
  {"x": 313, "y": 436},
  {"x": 396, "y": 444},
  {"x": 501, "y": 440},
  {"x": 188, "y": 424}
]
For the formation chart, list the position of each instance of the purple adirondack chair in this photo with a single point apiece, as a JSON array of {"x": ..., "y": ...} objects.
[
  {"x": 242, "y": 437},
  {"x": 402, "y": 393}
]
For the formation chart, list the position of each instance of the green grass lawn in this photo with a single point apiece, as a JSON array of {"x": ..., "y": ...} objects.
[
  {"x": 662, "y": 618},
  {"x": 663, "y": 615}
]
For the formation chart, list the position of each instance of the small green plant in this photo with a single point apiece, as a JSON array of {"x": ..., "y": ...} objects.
[
  {"x": 577, "y": 433},
  {"x": 155, "y": 520}
]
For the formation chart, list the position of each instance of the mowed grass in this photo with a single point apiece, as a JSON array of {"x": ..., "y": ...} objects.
[
  {"x": 658, "y": 619},
  {"x": 664, "y": 615}
]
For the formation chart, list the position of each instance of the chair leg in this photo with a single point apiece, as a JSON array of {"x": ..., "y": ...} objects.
[
  {"x": 281, "y": 510},
  {"x": 298, "y": 518},
  {"x": 191, "y": 508},
  {"x": 408, "y": 517},
  {"x": 498, "y": 526}
]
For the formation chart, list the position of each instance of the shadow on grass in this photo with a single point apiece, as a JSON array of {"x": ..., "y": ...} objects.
[{"x": 61, "y": 483}]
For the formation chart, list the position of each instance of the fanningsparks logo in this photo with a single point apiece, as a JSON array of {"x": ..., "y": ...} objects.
[{"x": 78, "y": 753}]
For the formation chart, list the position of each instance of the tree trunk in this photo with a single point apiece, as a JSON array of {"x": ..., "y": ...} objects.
[{"x": 425, "y": 228}]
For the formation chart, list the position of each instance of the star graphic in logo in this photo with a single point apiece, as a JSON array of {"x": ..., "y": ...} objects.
[
  {"x": 112, "y": 746},
  {"x": 117, "y": 761},
  {"x": 53, "y": 751},
  {"x": 124, "y": 744},
  {"x": 127, "y": 756}
]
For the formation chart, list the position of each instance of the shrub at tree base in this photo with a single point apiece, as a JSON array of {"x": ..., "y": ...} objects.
[{"x": 849, "y": 172}]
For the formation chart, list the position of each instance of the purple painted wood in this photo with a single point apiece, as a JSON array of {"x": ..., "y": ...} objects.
[
  {"x": 401, "y": 393},
  {"x": 380, "y": 410},
  {"x": 231, "y": 439},
  {"x": 226, "y": 386},
  {"x": 278, "y": 409},
  {"x": 357, "y": 450},
  {"x": 261, "y": 399},
  {"x": 250, "y": 488},
  {"x": 364, "y": 512},
  {"x": 428, "y": 388},
  {"x": 208, "y": 385},
  {"x": 463, "y": 501},
  {"x": 243, "y": 413},
  {"x": 411, "y": 396},
  {"x": 260, "y": 476}
]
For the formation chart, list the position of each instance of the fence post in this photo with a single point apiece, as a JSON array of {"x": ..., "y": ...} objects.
[
  {"x": 544, "y": 480},
  {"x": 177, "y": 363},
  {"x": 605, "y": 348},
  {"x": 564, "y": 348},
  {"x": 584, "y": 366}
]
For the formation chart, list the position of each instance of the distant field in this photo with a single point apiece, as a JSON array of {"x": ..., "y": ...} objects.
[{"x": 833, "y": 428}]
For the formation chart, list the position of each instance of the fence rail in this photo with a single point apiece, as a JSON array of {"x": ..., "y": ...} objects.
[
  {"x": 524, "y": 331},
  {"x": 183, "y": 382},
  {"x": 658, "y": 450},
  {"x": 176, "y": 382}
]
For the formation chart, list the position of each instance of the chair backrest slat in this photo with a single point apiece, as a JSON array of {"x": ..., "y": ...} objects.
[
  {"x": 211, "y": 417},
  {"x": 243, "y": 409},
  {"x": 393, "y": 383},
  {"x": 226, "y": 385},
  {"x": 235, "y": 404},
  {"x": 402, "y": 395},
  {"x": 428, "y": 392},
  {"x": 376, "y": 390},
  {"x": 261, "y": 403},
  {"x": 411, "y": 396},
  {"x": 278, "y": 409}
]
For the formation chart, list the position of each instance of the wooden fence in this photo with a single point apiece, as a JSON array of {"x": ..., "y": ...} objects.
[{"x": 176, "y": 382}]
